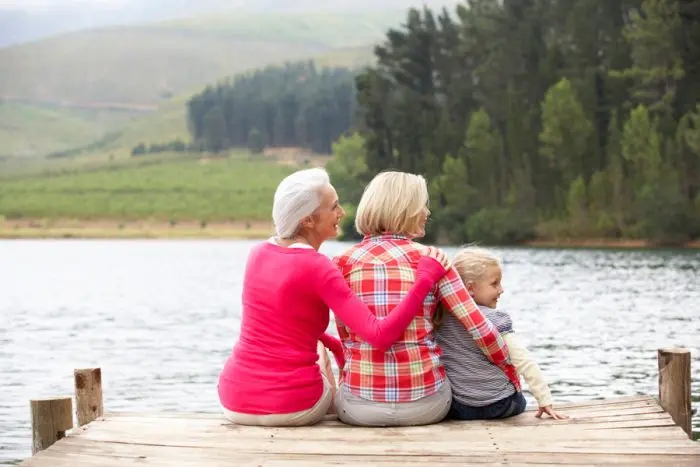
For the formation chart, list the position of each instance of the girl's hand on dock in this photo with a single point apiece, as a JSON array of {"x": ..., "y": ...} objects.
[{"x": 549, "y": 410}]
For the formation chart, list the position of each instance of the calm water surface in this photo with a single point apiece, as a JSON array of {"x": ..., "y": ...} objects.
[{"x": 160, "y": 317}]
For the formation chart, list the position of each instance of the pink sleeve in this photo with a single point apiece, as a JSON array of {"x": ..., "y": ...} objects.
[
  {"x": 355, "y": 314},
  {"x": 336, "y": 347}
]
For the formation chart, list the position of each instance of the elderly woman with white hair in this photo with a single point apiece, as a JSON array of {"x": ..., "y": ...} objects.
[
  {"x": 272, "y": 377},
  {"x": 405, "y": 385}
]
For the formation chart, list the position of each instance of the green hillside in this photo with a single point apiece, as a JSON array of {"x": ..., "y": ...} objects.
[
  {"x": 148, "y": 64},
  {"x": 233, "y": 189},
  {"x": 63, "y": 82},
  {"x": 37, "y": 130},
  {"x": 328, "y": 30},
  {"x": 129, "y": 65},
  {"x": 170, "y": 121},
  {"x": 167, "y": 124},
  {"x": 34, "y": 130}
]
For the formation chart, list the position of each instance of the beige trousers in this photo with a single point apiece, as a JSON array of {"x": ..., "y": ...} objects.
[
  {"x": 309, "y": 416},
  {"x": 354, "y": 410}
]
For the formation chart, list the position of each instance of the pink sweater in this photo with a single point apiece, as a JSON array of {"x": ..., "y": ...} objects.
[{"x": 287, "y": 293}]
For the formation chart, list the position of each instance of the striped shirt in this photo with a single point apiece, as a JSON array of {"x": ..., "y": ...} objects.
[
  {"x": 475, "y": 381},
  {"x": 380, "y": 270}
]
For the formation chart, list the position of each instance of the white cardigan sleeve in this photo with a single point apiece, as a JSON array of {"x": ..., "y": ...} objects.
[{"x": 520, "y": 357}]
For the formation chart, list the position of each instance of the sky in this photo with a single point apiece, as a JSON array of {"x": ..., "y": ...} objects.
[{"x": 40, "y": 4}]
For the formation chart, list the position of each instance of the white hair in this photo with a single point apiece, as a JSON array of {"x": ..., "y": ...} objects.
[{"x": 296, "y": 197}]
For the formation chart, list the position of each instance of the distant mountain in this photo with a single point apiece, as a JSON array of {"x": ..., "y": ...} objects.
[
  {"x": 73, "y": 89},
  {"x": 24, "y": 24},
  {"x": 19, "y": 25}
]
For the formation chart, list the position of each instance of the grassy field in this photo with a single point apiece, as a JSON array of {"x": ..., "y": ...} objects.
[
  {"x": 166, "y": 124},
  {"x": 35, "y": 130},
  {"x": 238, "y": 188},
  {"x": 80, "y": 228},
  {"x": 149, "y": 64}
]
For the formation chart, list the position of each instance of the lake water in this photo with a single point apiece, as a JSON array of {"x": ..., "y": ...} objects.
[{"x": 160, "y": 317}]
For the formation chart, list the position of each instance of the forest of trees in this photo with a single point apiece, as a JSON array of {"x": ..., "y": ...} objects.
[
  {"x": 292, "y": 105},
  {"x": 536, "y": 118}
]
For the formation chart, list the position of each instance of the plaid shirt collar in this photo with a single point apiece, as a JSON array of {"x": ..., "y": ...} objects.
[{"x": 385, "y": 237}]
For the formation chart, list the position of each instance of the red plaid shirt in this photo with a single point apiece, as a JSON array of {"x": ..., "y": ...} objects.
[{"x": 381, "y": 270}]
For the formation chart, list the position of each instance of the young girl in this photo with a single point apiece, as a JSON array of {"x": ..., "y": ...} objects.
[{"x": 481, "y": 390}]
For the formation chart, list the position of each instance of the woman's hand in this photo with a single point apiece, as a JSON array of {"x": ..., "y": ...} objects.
[
  {"x": 439, "y": 255},
  {"x": 433, "y": 265},
  {"x": 549, "y": 410}
]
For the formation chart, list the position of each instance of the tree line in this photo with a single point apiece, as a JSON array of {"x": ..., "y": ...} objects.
[
  {"x": 292, "y": 105},
  {"x": 536, "y": 118}
]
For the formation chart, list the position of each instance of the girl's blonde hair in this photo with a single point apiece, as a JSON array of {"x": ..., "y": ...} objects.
[
  {"x": 471, "y": 263},
  {"x": 392, "y": 202}
]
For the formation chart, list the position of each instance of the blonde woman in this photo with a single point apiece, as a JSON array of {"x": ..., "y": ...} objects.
[
  {"x": 272, "y": 377},
  {"x": 406, "y": 384}
]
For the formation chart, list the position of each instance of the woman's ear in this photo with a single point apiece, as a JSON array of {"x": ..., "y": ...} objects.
[{"x": 307, "y": 223}]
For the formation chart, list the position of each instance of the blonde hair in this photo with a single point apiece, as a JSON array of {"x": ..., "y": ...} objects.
[
  {"x": 471, "y": 263},
  {"x": 392, "y": 202}
]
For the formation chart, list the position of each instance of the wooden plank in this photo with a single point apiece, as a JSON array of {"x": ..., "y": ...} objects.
[
  {"x": 224, "y": 437},
  {"x": 304, "y": 447},
  {"x": 457, "y": 431},
  {"x": 159, "y": 415},
  {"x": 603, "y": 402},
  {"x": 639, "y": 413},
  {"x": 360, "y": 436},
  {"x": 590, "y": 412},
  {"x": 612, "y": 404},
  {"x": 607, "y": 409},
  {"x": 621, "y": 402},
  {"x": 625, "y": 431},
  {"x": 392, "y": 446},
  {"x": 179, "y": 432},
  {"x": 119, "y": 455},
  {"x": 500, "y": 439}
]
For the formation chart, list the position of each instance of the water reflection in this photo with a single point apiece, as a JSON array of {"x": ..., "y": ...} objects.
[{"x": 161, "y": 317}]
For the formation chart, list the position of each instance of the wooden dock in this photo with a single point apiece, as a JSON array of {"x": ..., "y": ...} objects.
[{"x": 625, "y": 431}]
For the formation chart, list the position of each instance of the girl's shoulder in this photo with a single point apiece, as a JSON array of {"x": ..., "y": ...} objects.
[{"x": 500, "y": 318}]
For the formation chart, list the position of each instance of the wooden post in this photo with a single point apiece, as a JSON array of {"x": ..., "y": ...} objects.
[
  {"x": 674, "y": 386},
  {"x": 51, "y": 418},
  {"x": 88, "y": 395}
]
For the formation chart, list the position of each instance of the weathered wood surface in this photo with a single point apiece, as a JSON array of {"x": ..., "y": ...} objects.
[
  {"x": 51, "y": 419},
  {"x": 628, "y": 431},
  {"x": 674, "y": 386},
  {"x": 88, "y": 394}
]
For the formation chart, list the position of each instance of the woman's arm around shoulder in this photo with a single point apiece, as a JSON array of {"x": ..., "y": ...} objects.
[
  {"x": 453, "y": 294},
  {"x": 354, "y": 313}
]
